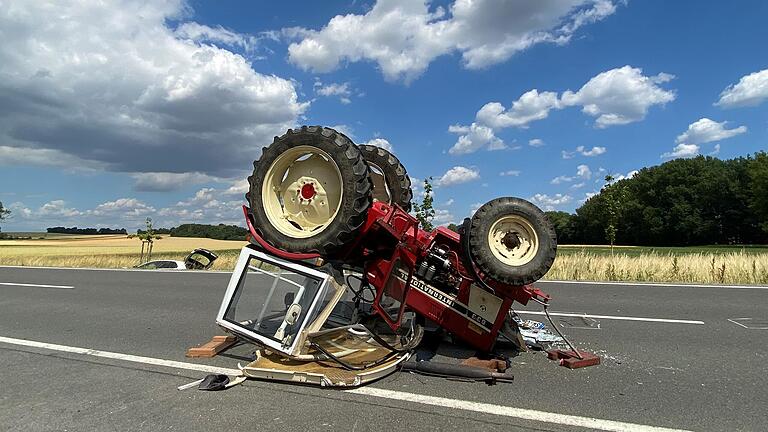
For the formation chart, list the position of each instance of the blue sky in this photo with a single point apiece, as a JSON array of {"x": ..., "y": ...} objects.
[{"x": 116, "y": 112}]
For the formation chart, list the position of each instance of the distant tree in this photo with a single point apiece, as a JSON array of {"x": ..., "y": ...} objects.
[
  {"x": 757, "y": 170},
  {"x": 615, "y": 197},
  {"x": 564, "y": 226},
  {"x": 219, "y": 232},
  {"x": 4, "y": 213},
  {"x": 147, "y": 238},
  {"x": 453, "y": 227},
  {"x": 425, "y": 211}
]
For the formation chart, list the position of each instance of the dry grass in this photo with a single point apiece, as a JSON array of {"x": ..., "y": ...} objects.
[
  {"x": 726, "y": 268},
  {"x": 114, "y": 251},
  {"x": 737, "y": 267}
]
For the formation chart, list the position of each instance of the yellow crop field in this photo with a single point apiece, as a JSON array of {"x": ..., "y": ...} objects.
[
  {"x": 687, "y": 265},
  {"x": 108, "y": 251},
  {"x": 724, "y": 268}
]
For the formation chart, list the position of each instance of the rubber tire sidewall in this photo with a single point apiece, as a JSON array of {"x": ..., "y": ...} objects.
[
  {"x": 355, "y": 180},
  {"x": 489, "y": 264},
  {"x": 395, "y": 175}
]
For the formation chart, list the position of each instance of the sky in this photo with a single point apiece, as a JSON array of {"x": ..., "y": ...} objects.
[{"x": 119, "y": 110}]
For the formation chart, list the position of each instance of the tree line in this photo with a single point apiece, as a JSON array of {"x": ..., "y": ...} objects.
[
  {"x": 218, "y": 232},
  {"x": 86, "y": 231},
  {"x": 683, "y": 202}
]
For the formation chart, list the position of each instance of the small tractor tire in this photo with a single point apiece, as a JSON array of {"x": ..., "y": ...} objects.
[
  {"x": 310, "y": 191},
  {"x": 391, "y": 183},
  {"x": 512, "y": 241}
]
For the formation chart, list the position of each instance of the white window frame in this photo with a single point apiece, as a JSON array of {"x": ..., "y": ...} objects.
[{"x": 235, "y": 283}]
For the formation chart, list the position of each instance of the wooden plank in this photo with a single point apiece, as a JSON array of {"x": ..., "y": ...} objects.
[{"x": 212, "y": 347}]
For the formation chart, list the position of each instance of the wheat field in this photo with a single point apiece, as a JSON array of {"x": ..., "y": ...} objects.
[
  {"x": 722, "y": 268},
  {"x": 109, "y": 251},
  {"x": 572, "y": 263}
]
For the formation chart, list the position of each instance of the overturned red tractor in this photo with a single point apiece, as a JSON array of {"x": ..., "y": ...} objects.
[{"x": 324, "y": 211}]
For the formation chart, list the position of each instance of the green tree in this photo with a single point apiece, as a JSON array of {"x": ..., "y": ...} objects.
[
  {"x": 757, "y": 170},
  {"x": 425, "y": 211},
  {"x": 4, "y": 213},
  {"x": 564, "y": 226},
  {"x": 147, "y": 237}
]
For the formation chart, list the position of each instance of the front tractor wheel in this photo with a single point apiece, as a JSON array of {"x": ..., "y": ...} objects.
[
  {"x": 512, "y": 241},
  {"x": 310, "y": 191}
]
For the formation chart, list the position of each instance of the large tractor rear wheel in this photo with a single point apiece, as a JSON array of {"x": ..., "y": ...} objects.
[
  {"x": 310, "y": 191},
  {"x": 512, "y": 241},
  {"x": 391, "y": 183}
]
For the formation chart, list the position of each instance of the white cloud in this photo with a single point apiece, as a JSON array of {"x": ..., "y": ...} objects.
[
  {"x": 238, "y": 187},
  {"x": 128, "y": 92},
  {"x": 124, "y": 208},
  {"x": 682, "y": 151},
  {"x": 511, "y": 173},
  {"x": 443, "y": 217},
  {"x": 584, "y": 172},
  {"x": 474, "y": 138},
  {"x": 449, "y": 202},
  {"x": 620, "y": 96},
  {"x": 536, "y": 142},
  {"x": 701, "y": 131},
  {"x": 474, "y": 207},
  {"x": 342, "y": 90},
  {"x": 549, "y": 203},
  {"x": 203, "y": 33},
  {"x": 751, "y": 90},
  {"x": 167, "y": 181},
  {"x": 57, "y": 208},
  {"x": 457, "y": 175},
  {"x": 578, "y": 185},
  {"x": 705, "y": 130},
  {"x": 404, "y": 36},
  {"x": 567, "y": 154},
  {"x": 561, "y": 179},
  {"x": 381, "y": 142},
  {"x": 531, "y": 106},
  {"x": 595, "y": 151},
  {"x": 715, "y": 151}
]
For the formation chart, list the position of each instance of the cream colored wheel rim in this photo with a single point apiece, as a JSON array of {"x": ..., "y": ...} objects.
[
  {"x": 513, "y": 240},
  {"x": 302, "y": 192}
]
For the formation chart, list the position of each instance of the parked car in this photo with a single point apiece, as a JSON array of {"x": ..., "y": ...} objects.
[{"x": 198, "y": 259}]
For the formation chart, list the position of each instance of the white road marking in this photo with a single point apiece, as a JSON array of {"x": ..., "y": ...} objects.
[
  {"x": 119, "y": 270},
  {"x": 611, "y": 317},
  {"x": 36, "y": 285},
  {"x": 119, "y": 356},
  {"x": 483, "y": 408},
  {"x": 736, "y": 321},
  {"x": 506, "y": 411},
  {"x": 654, "y": 284}
]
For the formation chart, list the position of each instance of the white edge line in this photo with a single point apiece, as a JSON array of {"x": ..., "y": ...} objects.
[
  {"x": 611, "y": 317},
  {"x": 652, "y": 284},
  {"x": 506, "y": 411},
  {"x": 738, "y": 323},
  {"x": 483, "y": 408},
  {"x": 36, "y": 285},
  {"x": 119, "y": 356},
  {"x": 119, "y": 269}
]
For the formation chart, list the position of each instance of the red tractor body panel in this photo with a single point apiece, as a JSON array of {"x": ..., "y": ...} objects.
[{"x": 422, "y": 271}]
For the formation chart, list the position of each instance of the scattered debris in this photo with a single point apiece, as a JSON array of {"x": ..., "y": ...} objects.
[{"x": 535, "y": 333}]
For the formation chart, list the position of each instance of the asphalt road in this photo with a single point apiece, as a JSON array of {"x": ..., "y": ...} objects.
[{"x": 673, "y": 374}]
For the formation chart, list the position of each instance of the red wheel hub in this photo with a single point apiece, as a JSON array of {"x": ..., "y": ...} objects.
[{"x": 307, "y": 191}]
